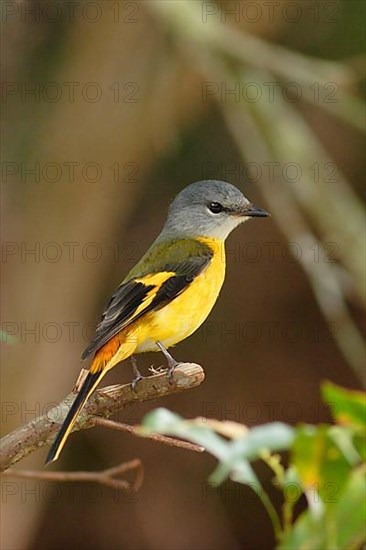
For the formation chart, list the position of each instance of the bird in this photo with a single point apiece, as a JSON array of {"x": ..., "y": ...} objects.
[{"x": 170, "y": 292}]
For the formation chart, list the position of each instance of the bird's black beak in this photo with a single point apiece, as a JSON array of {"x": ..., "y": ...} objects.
[{"x": 255, "y": 212}]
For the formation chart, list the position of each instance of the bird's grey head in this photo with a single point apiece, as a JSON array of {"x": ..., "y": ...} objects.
[{"x": 209, "y": 208}]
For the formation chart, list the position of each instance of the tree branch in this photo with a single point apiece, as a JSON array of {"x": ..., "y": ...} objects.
[
  {"x": 103, "y": 403},
  {"x": 105, "y": 477}
]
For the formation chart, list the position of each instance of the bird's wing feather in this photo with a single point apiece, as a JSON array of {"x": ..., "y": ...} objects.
[{"x": 139, "y": 295}]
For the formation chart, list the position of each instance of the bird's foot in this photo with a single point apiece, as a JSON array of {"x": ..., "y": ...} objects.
[
  {"x": 136, "y": 380},
  {"x": 172, "y": 363},
  {"x": 170, "y": 372},
  {"x": 137, "y": 376}
]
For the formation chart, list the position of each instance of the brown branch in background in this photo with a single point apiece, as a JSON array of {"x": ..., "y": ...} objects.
[
  {"x": 105, "y": 477},
  {"x": 103, "y": 403}
]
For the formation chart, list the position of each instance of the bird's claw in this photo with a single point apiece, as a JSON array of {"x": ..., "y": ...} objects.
[
  {"x": 135, "y": 381},
  {"x": 158, "y": 370},
  {"x": 170, "y": 371}
]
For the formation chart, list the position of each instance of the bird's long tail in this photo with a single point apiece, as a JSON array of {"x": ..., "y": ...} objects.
[{"x": 89, "y": 385}]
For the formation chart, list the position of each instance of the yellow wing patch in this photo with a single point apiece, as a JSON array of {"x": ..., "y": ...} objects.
[{"x": 156, "y": 279}]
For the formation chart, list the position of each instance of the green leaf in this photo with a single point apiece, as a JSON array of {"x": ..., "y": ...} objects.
[
  {"x": 241, "y": 472},
  {"x": 347, "y": 406},
  {"x": 342, "y": 524},
  {"x": 343, "y": 437},
  {"x": 320, "y": 463},
  {"x": 167, "y": 423},
  {"x": 359, "y": 442},
  {"x": 348, "y": 517},
  {"x": 275, "y": 436},
  {"x": 160, "y": 419},
  {"x": 308, "y": 533}
]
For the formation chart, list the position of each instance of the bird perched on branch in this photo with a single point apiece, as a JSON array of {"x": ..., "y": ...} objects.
[{"x": 171, "y": 290}]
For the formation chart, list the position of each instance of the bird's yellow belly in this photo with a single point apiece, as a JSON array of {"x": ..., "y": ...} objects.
[{"x": 179, "y": 319}]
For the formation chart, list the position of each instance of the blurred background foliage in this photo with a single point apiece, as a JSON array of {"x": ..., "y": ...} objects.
[{"x": 131, "y": 101}]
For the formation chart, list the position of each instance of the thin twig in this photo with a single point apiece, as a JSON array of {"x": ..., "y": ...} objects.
[
  {"x": 105, "y": 477},
  {"x": 121, "y": 427},
  {"x": 103, "y": 403}
]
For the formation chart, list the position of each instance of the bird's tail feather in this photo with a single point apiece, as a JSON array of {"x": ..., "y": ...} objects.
[{"x": 90, "y": 383}]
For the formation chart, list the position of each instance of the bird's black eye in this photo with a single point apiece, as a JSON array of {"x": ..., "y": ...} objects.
[{"x": 215, "y": 207}]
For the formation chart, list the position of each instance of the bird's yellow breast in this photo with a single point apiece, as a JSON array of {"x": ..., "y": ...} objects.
[{"x": 183, "y": 315}]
